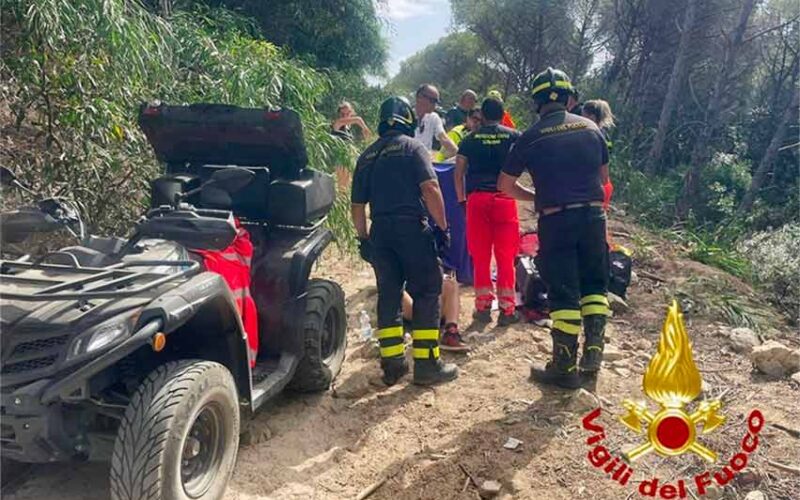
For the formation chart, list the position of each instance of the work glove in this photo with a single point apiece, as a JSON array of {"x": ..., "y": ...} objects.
[
  {"x": 365, "y": 250},
  {"x": 442, "y": 239}
]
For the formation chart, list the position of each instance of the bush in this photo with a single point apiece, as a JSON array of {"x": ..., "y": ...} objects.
[
  {"x": 75, "y": 71},
  {"x": 775, "y": 264}
]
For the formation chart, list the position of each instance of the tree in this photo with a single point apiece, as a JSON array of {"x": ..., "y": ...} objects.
[
  {"x": 675, "y": 81},
  {"x": 456, "y": 62},
  {"x": 338, "y": 34},
  {"x": 765, "y": 165},
  {"x": 523, "y": 37}
]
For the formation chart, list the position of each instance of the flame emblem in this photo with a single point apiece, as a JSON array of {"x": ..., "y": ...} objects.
[{"x": 673, "y": 381}]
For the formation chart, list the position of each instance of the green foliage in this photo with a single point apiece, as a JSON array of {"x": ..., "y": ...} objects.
[
  {"x": 456, "y": 62},
  {"x": 339, "y": 34},
  {"x": 76, "y": 71},
  {"x": 776, "y": 266}
]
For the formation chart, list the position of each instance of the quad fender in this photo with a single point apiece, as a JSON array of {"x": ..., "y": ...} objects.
[
  {"x": 280, "y": 275},
  {"x": 201, "y": 321}
]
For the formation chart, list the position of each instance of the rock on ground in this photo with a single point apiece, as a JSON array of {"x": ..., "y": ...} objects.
[
  {"x": 583, "y": 401},
  {"x": 611, "y": 354},
  {"x": 755, "y": 495},
  {"x": 490, "y": 489},
  {"x": 775, "y": 359},
  {"x": 743, "y": 340}
]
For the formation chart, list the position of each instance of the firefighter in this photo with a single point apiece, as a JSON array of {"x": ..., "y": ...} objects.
[
  {"x": 395, "y": 177},
  {"x": 567, "y": 159},
  {"x": 492, "y": 220}
]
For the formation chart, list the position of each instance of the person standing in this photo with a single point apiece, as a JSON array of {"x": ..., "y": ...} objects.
[
  {"x": 507, "y": 120},
  {"x": 346, "y": 119},
  {"x": 430, "y": 126},
  {"x": 600, "y": 113},
  {"x": 492, "y": 219},
  {"x": 567, "y": 158},
  {"x": 395, "y": 178},
  {"x": 472, "y": 122},
  {"x": 458, "y": 113}
]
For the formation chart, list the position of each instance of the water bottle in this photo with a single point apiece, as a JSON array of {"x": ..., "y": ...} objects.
[{"x": 366, "y": 328}]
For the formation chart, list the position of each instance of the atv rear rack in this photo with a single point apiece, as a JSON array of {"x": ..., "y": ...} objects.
[{"x": 111, "y": 282}]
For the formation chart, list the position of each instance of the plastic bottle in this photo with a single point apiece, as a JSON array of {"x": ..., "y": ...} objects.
[{"x": 365, "y": 327}]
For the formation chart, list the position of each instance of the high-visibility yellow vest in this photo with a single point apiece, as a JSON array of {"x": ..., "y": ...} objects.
[{"x": 456, "y": 134}]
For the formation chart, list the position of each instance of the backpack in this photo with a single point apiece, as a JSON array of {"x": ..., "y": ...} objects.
[{"x": 620, "y": 264}]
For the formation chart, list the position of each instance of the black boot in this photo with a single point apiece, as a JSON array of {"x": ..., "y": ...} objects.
[
  {"x": 594, "y": 328},
  {"x": 433, "y": 371},
  {"x": 393, "y": 369},
  {"x": 561, "y": 370}
]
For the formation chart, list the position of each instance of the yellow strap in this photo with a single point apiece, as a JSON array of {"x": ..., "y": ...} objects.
[
  {"x": 595, "y": 309},
  {"x": 424, "y": 352},
  {"x": 594, "y": 299},
  {"x": 565, "y": 314},
  {"x": 425, "y": 335},
  {"x": 567, "y": 327},
  {"x": 561, "y": 84},
  {"x": 393, "y": 350},
  {"x": 390, "y": 333}
]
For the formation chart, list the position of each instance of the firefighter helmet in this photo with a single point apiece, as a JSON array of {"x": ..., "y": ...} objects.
[
  {"x": 551, "y": 85},
  {"x": 397, "y": 114}
]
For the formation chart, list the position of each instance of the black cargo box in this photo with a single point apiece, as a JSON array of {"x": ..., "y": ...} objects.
[
  {"x": 218, "y": 134},
  {"x": 196, "y": 140}
]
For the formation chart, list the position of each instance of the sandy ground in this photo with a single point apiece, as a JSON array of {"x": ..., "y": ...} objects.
[{"x": 422, "y": 442}]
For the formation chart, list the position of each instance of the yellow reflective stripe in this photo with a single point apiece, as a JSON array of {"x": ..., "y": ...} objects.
[
  {"x": 424, "y": 352},
  {"x": 425, "y": 335},
  {"x": 392, "y": 351},
  {"x": 561, "y": 84},
  {"x": 595, "y": 309},
  {"x": 594, "y": 299},
  {"x": 565, "y": 314},
  {"x": 390, "y": 333},
  {"x": 594, "y": 348},
  {"x": 566, "y": 327}
]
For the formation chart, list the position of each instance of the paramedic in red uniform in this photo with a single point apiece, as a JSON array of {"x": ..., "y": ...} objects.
[
  {"x": 567, "y": 158},
  {"x": 492, "y": 220}
]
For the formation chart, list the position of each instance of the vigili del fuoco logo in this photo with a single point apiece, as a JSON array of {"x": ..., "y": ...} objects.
[{"x": 673, "y": 381}]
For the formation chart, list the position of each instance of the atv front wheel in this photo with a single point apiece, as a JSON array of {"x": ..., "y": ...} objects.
[
  {"x": 325, "y": 337},
  {"x": 179, "y": 436}
]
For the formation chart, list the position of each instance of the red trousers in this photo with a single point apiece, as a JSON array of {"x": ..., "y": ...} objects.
[{"x": 493, "y": 228}]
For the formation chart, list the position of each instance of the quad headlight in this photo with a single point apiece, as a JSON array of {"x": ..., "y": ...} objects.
[{"x": 103, "y": 335}]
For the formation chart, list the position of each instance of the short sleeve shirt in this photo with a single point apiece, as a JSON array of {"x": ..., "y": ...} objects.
[
  {"x": 455, "y": 117},
  {"x": 486, "y": 151},
  {"x": 563, "y": 153},
  {"x": 429, "y": 128},
  {"x": 388, "y": 174}
]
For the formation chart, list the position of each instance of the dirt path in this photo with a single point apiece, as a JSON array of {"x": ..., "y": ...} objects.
[{"x": 419, "y": 442}]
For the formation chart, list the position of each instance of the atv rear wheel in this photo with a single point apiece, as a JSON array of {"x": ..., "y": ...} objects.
[
  {"x": 179, "y": 436},
  {"x": 325, "y": 337}
]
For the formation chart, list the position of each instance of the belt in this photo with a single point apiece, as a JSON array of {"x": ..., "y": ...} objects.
[{"x": 555, "y": 210}]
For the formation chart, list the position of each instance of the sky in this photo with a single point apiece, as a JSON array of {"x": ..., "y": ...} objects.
[{"x": 413, "y": 24}]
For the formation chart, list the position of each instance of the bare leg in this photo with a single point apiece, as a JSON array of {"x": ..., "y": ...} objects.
[
  {"x": 451, "y": 303},
  {"x": 408, "y": 306}
]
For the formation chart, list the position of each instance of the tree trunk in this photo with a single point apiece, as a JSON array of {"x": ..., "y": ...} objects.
[
  {"x": 712, "y": 121},
  {"x": 765, "y": 166},
  {"x": 675, "y": 82}
]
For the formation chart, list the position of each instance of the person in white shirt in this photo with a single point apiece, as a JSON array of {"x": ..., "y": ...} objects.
[{"x": 430, "y": 124}]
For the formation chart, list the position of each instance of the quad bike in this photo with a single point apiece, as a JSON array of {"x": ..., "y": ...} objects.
[{"x": 127, "y": 349}]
